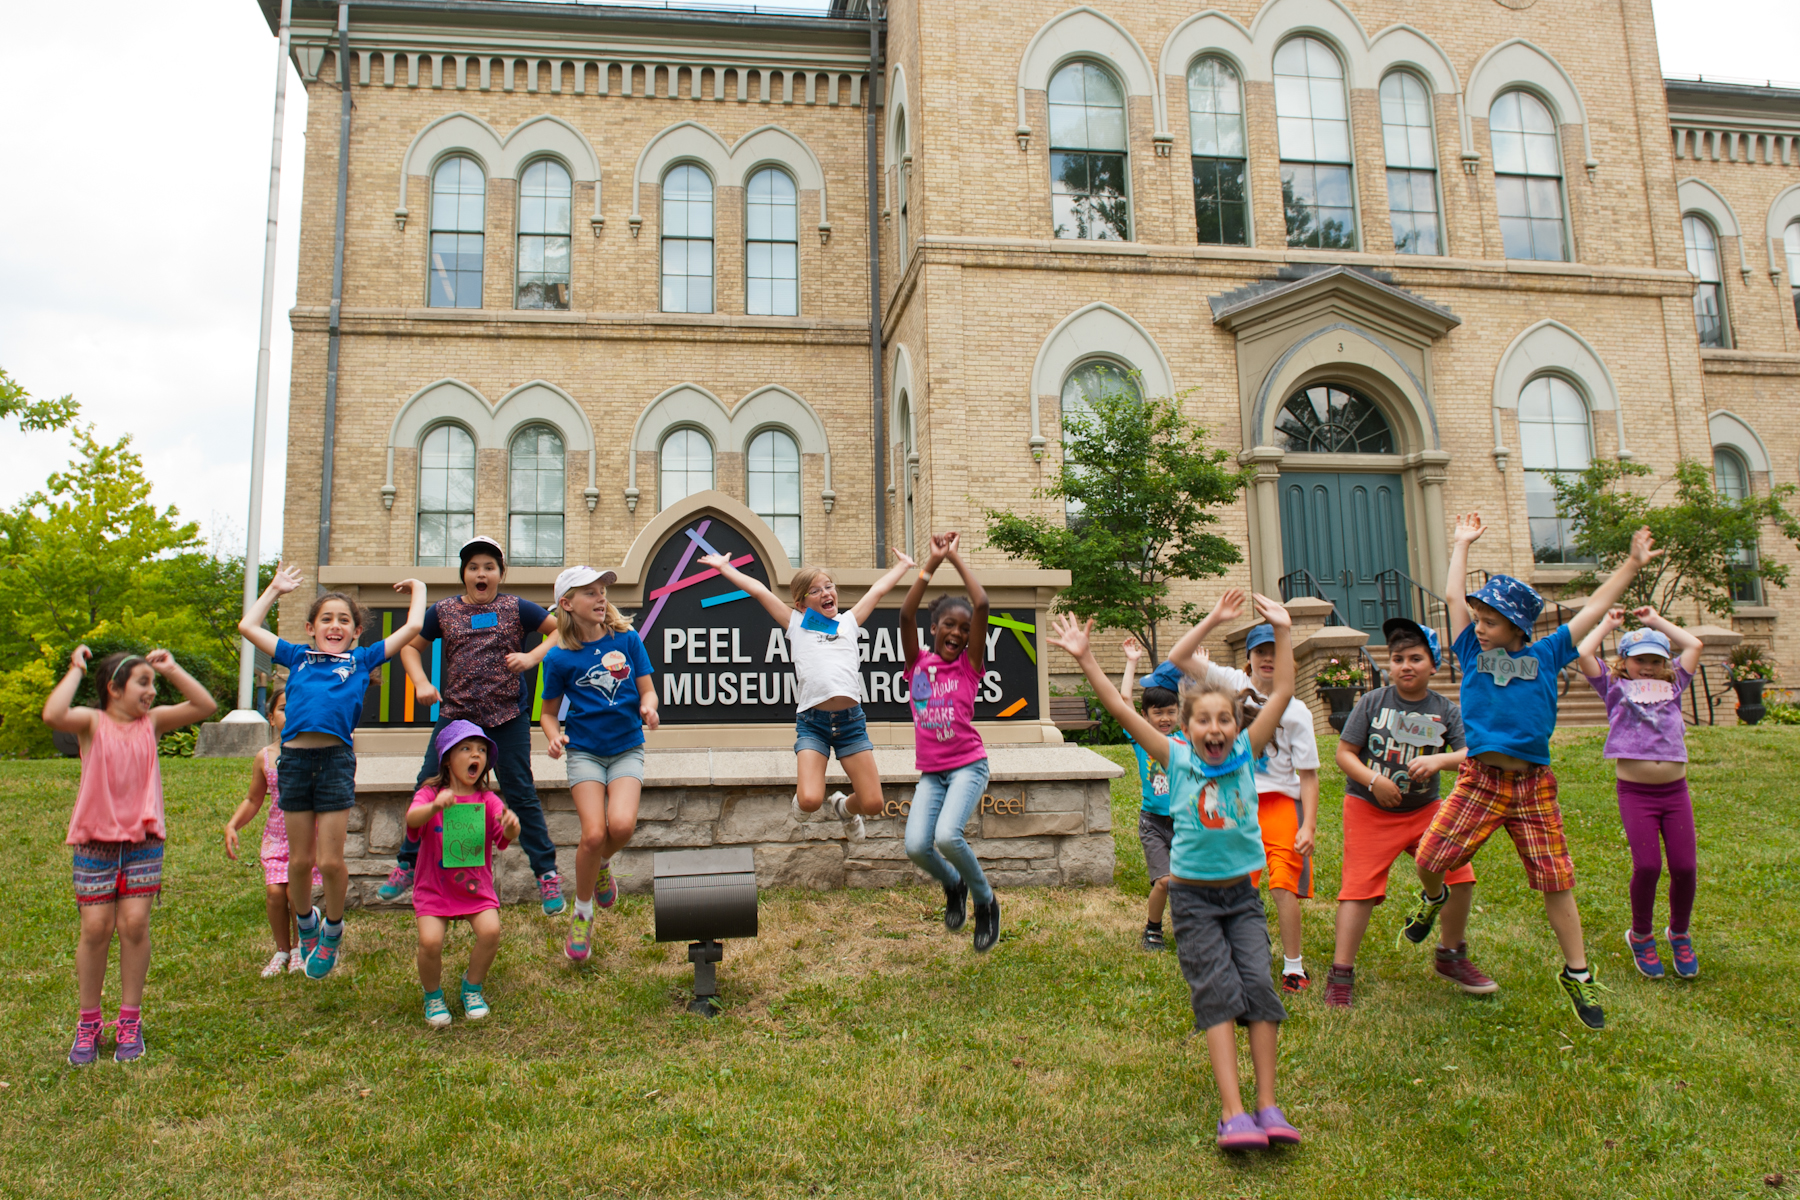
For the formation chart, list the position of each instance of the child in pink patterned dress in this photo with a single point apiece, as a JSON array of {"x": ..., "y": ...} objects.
[{"x": 274, "y": 845}]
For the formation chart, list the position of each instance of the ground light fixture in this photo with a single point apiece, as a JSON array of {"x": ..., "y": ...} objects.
[{"x": 704, "y": 897}]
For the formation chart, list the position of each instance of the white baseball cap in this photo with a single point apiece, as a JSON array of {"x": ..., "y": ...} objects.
[{"x": 575, "y": 577}]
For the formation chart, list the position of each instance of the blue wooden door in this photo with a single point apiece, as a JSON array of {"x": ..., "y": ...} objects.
[{"x": 1344, "y": 529}]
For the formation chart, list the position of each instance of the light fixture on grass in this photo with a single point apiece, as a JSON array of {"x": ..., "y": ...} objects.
[{"x": 704, "y": 897}]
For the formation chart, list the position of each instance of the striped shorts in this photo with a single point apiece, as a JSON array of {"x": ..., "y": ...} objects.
[
  {"x": 107, "y": 872},
  {"x": 1485, "y": 799}
]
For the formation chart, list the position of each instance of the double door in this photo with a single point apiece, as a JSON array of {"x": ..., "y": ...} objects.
[{"x": 1344, "y": 529}]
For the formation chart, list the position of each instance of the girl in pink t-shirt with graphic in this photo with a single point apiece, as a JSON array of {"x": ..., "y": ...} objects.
[
  {"x": 950, "y": 756},
  {"x": 447, "y": 888}
]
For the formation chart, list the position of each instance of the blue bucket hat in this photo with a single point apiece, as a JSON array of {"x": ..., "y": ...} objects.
[
  {"x": 1260, "y": 635},
  {"x": 1644, "y": 641},
  {"x": 462, "y": 731},
  {"x": 1511, "y": 598},
  {"x": 1393, "y": 624}
]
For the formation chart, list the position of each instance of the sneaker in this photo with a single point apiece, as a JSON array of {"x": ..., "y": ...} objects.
[
  {"x": 550, "y": 892},
  {"x": 277, "y": 965},
  {"x": 956, "y": 906},
  {"x": 325, "y": 955},
  {"x": 128, "y": 1039},
  {"x": 1686, "y": 965},
  {"x": 1643, "y": 953},
  {"x": 580, "y": 932},
  {"x": 606, "y": 888},
  {"x": 398, "y": 881},
  {"x": 987, "y": 925},
  {"x": 838, "y": 805},
  {"x": 1242, "y": 1133},
  {"x": 1296, "y": 981},
  {"x": 310, "y": 939},
  {"x": 1455, "y": 966},
  {"x": 296, "y": 963},
  {"x": 1340, "y": 984},
  {"x": 437, "y": 1013},
  {"x": 87, "y": 1044},
  {"x": 1421, "y": 920},
  {"x": 475, "y": 1005},
  {"x": 1584, "y": 998},
  {"x": 1275, "y": 1127},
  {"x": 1153, "y": 938}
]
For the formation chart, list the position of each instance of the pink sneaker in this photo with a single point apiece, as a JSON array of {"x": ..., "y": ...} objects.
[{"x": 87, "y": 1044}]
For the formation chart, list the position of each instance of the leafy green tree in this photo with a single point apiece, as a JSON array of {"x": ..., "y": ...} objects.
[
  {"x": 32, "y": 415},
  {"x": 1143, "y": 488}
]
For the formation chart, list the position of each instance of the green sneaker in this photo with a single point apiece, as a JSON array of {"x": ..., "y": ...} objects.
[
  {"x": 1422, "y": 919},
  {"x": 1584, "y": 998},
  {"x": 581, "y": 931},
  {"x": 475, "y": 1006},
  {"x": 437, "y": 1013}
]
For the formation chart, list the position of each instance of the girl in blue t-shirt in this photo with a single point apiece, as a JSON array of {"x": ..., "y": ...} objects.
[
  {"x": 1221, "y": 933},
  {"x": 601, "y": 667}
]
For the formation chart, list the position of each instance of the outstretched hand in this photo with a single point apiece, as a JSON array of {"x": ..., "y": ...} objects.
[
  {"x": 717, "y": 562},
  {"x": 1274, "y": 612},
  {"x": 1230, "y": 606},
  {"x": 1071, "y": 635},
  {"x": 286, "y": 580},
  {"x": 78, "y": 658},
  {"x": 901, "y": 557},
  {"x": 1642, "y": 547},
  {"x": 1614, "y": 619},
  {"x": 1468, "y": 528},
  {"x": 1133, "y": 650}
]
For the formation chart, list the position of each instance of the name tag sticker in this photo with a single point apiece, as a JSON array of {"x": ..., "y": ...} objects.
[
  {"x": 1418, "y": 729},
  {"x": 817, "y": 622},
  {"x": 1504, "y": 667},
  {"x": 484, "y": 620}
]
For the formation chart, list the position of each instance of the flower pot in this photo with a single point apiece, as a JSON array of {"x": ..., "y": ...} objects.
[
  {"x": 1750, "y": 707},
  {"x": 1342, "y": 700}
]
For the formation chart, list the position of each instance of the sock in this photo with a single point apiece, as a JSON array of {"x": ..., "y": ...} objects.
[
  {"x": 1581, "y": 976},
  {"x": 1293, "y": 966},
  {"x": 308, "y": 920},
  {"x": 1338, "y": 968},
  {"x": 334, "y": 928},
  {"x": 435, "y": 994},
  {"x": 1155, "y": 925},
  {"x": 90, "y": 1015},
  {"x": 585, "y": 909},
  {"x": 1440, "y": 898},
  {"x": 282, "y": 954},
  {"x": 131, "y": 1012}
]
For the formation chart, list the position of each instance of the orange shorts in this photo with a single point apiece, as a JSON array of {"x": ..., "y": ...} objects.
[
  {"x": 1374, "y": 837},
  {"x": 1279, "y": 815}
]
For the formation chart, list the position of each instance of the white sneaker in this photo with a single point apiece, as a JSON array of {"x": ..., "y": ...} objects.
[
  {"x": 838, "y": 805},
  {"x": 296, "y": 963},
  {"x": 276, "y": 965}
]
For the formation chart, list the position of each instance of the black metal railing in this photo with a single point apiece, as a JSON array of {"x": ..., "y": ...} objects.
[
  {"x": 1403, "y": 596},
  {"x": 1301, "y": 582}
]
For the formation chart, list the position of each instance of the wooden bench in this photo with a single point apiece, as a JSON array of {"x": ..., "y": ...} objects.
[{"x": 1070, "y": 714}]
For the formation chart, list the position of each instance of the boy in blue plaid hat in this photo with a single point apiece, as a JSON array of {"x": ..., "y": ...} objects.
[{"x": 1509, "y": 711}]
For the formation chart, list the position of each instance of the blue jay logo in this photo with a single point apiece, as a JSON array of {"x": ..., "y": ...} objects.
[{"x": 344, "y": 672}]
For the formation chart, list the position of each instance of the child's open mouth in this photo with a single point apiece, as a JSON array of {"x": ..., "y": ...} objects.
[
  {"x": 473, "y": 771},
  {"x": 1214, "y": 749}
]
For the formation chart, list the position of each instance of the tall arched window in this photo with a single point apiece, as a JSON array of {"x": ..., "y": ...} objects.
[
  {"x": 1790, "y": 238},
  {"x": 446, "y": 494},
  {"x": 1312, "y": 121},
  {"x": 458, "y": 213},
  {"x": 908, "y": 453},
  {"x": 771, "y": 245},
  {"x": 1731, "y": 476},
  {"x": 902, "y": 188},
  {"x": 1086, "y": 383},
  {"x": 685, "y": 464},
  {"x": 687, "y": 240},
  {"x": 544, "y": 199},
  {"x": 534, "y": 493},
  {"x": 1703, "y": 264},
  {"x": 1088, "y": 187},
  {"x": 1528, "y": 177},
  {"x": 772, "y": 469},
  {"x": 1216, "y": 129},
  {"x": 1554, "y": 439},
  {"x": 1411, "y": 150}
]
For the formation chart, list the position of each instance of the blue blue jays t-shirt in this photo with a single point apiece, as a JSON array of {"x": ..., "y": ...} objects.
[
  {"x": 325, "y": 691},
  {"x": 1217, "y": 834},
  {"x": 1509, "y": 700},
  {"x": 1155, "y": 781},
  {"x": 600, "y": 680}
]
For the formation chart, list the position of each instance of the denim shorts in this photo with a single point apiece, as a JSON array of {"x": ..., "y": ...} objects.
[
  {"x": 844, "y": 732},
  {"x": 605, "y": 769},
  {"x": 316, "y": 779}
]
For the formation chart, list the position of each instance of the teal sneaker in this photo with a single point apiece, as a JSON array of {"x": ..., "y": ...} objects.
[
  {"x": 310, "y": 939},
  {"x": 1584, "y": 997},
  {"x": 325, "y": 955},
  {"x": 437, "y": 1013},
  {"x": 475, "y": 1005},
  {"x": 550, "y": 893},
  {"x": 398, "y": 881},
  {"x": 1422, "y": 919}
]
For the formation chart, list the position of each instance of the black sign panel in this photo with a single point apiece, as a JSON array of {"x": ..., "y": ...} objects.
[{"x": 721, "y": 659}]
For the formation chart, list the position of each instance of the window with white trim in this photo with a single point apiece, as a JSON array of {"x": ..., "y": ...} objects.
[
  {"x": 1528, "y": 178},
  {"x": 771, "y": 244},
  {"x": 446, "y": 495},
  {"x": 535, "y": 493},
  {"x": 1702, "y": 247},
  {"x": 1410, "y": 145},
  {"x": 687, "y": 240},
  {"x": 684, "y": 463},
  {"x": 1731, "y": 477},
  {"x": 1088, "y": 159},
  {"x": 545, "y": 196},
  {"x": 1088, "y": 382},
  {"x": 1555, "y": 439},
  {"x": 1216, "y": 131},
  {"x": 1790, "y": 238},
  {"x": 772, "y": 478},
  {"x": 1312, "y": 124},
  {"x": 458, "y": 213},
  {"x": 902, "y": 186}
]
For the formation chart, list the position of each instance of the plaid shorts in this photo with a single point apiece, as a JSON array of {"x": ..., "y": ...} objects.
[
  {"x": 107, "y": 872},
  {"x": 1484, "y": 799}
]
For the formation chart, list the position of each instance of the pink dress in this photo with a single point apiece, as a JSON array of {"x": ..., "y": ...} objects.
[
  {"x": 452, "y": 892},
  {"x": 120, "y": 799},
  {"x": 275, "y": 839}
]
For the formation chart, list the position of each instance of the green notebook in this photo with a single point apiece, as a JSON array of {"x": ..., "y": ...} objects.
[{"x": 465, "y": 835}]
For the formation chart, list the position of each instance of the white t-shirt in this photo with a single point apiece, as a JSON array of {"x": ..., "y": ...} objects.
[
  {"x": 1293, "y": 748},
  {"x": 825, "y": 664}
]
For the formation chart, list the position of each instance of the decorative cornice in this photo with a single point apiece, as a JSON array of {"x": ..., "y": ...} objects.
[{"x": 1300, "y": 283}]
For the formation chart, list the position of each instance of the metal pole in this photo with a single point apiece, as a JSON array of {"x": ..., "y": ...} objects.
[
  {"x": 329, "y": 446},
  {"x": 259, "y": 429},
  {"x": 871, "y": 132}
]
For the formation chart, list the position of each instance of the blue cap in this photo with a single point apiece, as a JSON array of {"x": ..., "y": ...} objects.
[
  {"x": 462, "y": 731},
  {"x": 1512, "y": 599},
  {"x": 1168, "y": 677},
  {"x": 1389, "y": 626},
  {"x": 1260, "y": 635},
  {"x": 1644, "y": 641}
]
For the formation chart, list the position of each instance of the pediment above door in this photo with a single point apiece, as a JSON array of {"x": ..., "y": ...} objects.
[{"x": 1310, "y": 293}]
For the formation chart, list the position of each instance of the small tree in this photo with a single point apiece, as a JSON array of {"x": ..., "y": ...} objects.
[
  {"x": 1142, "y": 486},
  {"x": 1703, "y": 532}
]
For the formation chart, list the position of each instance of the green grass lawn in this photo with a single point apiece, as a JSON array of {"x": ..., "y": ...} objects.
[{"x": 865, "y": 1052}]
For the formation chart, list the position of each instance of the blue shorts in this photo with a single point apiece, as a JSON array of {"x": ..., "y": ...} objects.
[
  {"x": 604, "y": 769},
  {"x": 844, "y": 732},
  {"x": 316, "y": 779}
]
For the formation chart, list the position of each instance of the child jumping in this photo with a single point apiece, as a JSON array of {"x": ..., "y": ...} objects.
[
  {"x": 1394, "y": 744},
  {"x": 1509, "y": 712},
  {"x": 828, "y": 713},
  {"x": 1156, "y": 830},
  {"x": 1647, "y": 741},
  {"x": 117, "y": 828},
  {"x": 316, "y": 770},
  {"x": 1221, "y": 933},
  {"x": 600, "y": 664},
  {"x": 949, "y": 754},
  {"x": 264, "y": 785},
  {"x": 455, "y": 882}
]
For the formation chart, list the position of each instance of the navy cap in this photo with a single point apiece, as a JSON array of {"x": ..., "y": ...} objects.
[{"x": 1394, "y": 624}]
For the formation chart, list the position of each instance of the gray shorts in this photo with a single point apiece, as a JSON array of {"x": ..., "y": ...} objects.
[
  {"x": 1156, "y": 833},
  {"x": 1222, "y": 943},
  {"x": 594, "y": 768}
]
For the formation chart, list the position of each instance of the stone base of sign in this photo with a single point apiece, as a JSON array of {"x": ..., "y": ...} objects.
[
  {"x": 1045, "y": 821},
  {"x": 231, "y": 739}
]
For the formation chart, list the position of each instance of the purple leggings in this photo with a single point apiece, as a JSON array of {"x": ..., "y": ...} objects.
[{"x": 1650, "y": 811}]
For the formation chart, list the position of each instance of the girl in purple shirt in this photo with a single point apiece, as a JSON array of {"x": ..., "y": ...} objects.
[
  {"x": 950, "y": 756},
  {"x": 1647, "y": 742}
]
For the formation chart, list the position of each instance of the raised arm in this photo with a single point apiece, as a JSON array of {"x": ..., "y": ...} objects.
[
  {"x": 1589, "y": 650},
  {"x": 1687, "y": 647},
  {"x": 978, "y": 600},
  {"x": 881, "y": 587},
  {"x": 58, "y": 713},
  {"x": 1269, "y": 719},
  {"x": 415, "y": 619},
  {"x": 197, "y": 703},
  {"x": 1133, "y": 653},
  {"x": 251, "y": 627},
  {"x": 1186, "y": 654},
  {"x": 909, "y": 604},
  {"x": 1074, "y": 639},
  {"x": 1468, "y": 528},
  {"x": 1608, "y": 593},
  {"x": 775, "y": 607}
]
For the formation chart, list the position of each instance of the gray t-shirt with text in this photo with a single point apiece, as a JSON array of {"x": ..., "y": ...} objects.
[{"x": 1392, "y": 732}]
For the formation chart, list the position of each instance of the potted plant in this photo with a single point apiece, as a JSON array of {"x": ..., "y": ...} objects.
[
  {"x": 1749, "y": 671},
  {"x": 1340, "y": 682}
]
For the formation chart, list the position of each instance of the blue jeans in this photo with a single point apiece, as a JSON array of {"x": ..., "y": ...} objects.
[
  {"x": 516, "y": 785},
  {"x": 941, "y": 805}
]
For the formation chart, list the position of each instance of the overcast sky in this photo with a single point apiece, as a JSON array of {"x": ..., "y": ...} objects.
[{"x": 132, "y": 221}]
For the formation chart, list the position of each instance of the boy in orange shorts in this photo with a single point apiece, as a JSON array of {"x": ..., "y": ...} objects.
[{"x": 1395, "y": 742}]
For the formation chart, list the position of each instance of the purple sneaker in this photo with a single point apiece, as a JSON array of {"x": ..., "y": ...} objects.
[
  {"x": 1275, "y": 1125},
  {"x": 128, "y": 1039},
  {"x": 1686, "y": 965},
  {"x": 87, "y": 1044},
  {"x": 1643, "y": 952},
  {"x": 1242, "y": 1133}
]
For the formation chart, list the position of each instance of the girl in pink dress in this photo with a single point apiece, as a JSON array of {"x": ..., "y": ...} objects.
[{"x": 263, "y": 785}]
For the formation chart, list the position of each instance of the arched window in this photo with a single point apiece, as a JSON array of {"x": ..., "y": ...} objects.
[
  {"x": 1087, "y": 155},
  {"x": 534, "y": 494},
  {"x": 687, "y": 241},
  {"x": 1554, "y": 439},
  {"x": 1528, "y": 177},
  {"x": 1703, "y": 265},
  {"x": 685, "y": 463},
  {"x": 544, "y": 199},
  {"x": 1411, "y": 149},
  {"x": 458, "y": 213},
  {"x": 771, "y": 245},
  {"x": 1731, "y": 476},
  {"x": 446, "y": 494},
  {"x": 1086, "y": 383},
  {"x": 1791, "y": 239},
  {"x": 1312, "y": 122},
  {"x": 772, "y": 468},
  {"x": 1328, "y": 419},
  {"x": 902, "y": 186},
  {"x": 908, "y": 461},
  {"x": 1216, "y": 129}
]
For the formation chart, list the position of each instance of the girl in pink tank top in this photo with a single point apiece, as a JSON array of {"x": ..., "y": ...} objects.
[
  {"x": 117, "y": 827},
  {"x": 274, "y": 855}
]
